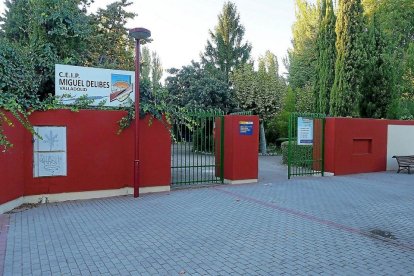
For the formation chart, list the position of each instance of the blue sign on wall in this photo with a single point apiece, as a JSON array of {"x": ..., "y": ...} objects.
[{"x": 246, "y": 128}]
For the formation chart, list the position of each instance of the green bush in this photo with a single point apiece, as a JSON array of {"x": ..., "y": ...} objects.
[
  {"x": 279, "y": 141},
  {"x": 300, "y": 152},
  {"x": 271, "y": 130}
]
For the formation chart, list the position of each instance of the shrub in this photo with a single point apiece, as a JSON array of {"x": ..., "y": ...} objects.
[{"x": 299, "y": 152}]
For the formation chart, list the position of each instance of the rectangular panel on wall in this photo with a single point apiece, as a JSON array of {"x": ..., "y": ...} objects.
[
  {"x": 49, "y": 151},
  {"x": 361, "y": 146}
]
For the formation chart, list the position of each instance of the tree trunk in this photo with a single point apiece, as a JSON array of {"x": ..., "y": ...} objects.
[{"x": 263, "y": 148}]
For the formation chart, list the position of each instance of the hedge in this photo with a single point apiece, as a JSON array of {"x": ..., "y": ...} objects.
[{"x": 299, "y": 152}]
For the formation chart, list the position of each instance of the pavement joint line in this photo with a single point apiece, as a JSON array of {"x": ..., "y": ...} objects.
[
  {"x": 4, "y": 227},
  {"x": 316, "y": 219}
]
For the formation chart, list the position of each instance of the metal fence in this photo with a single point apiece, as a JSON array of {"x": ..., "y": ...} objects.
[
  {"x": 306, "y": 144},
  {"x": 197, "y": 149}
]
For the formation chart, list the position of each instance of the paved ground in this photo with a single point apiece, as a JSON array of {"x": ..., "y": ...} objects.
[{"x": 305, "y": 226}]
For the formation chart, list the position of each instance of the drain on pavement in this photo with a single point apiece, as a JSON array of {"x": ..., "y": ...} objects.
[{"x": 382, "y": 234}]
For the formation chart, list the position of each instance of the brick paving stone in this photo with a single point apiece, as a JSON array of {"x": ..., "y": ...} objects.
[{"x": 305, "y": 226}]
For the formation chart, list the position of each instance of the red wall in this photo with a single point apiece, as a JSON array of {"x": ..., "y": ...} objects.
[
  {"x": 11, "y": 161},
  {"x": 329, "y": 142},
  {"x": 155, "y": 154},
  {"x": 399, "y": 122},
  {"x": 355, "y": 145},
  {"x": 97, "y": 158},
  {"x": 240, "y": 151}
]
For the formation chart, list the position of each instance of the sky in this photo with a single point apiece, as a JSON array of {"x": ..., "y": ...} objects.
[{"x": 180, "y": 28}]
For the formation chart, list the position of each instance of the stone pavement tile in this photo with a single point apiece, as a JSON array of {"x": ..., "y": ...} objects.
[{"x": 307, "y": 226}]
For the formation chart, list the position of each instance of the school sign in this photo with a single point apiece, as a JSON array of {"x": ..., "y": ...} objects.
[{"x": 113, "y": 87}]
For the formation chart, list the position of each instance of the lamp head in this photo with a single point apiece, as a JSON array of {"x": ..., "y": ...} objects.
[{"x": 139, "y": 33}]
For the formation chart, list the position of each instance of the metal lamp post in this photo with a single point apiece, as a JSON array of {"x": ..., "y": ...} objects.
[{"x": 138, "y": 34}]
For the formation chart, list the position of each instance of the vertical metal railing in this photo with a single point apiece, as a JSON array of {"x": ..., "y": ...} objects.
[
  {"x": 306, "y": 159},
  {"x": 195, "y": 155}
]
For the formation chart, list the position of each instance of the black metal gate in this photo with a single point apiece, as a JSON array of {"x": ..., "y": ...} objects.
[{"x": 197, "y": 149}]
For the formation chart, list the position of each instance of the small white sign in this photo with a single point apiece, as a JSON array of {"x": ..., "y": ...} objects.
[
  {"x": 113, "y": 87},
  {"x": 50, "y": 164},
  {"x": 49, "y": 151},
  {"x": 305, "y": 131},
  {"x": 53, "y": 139}
]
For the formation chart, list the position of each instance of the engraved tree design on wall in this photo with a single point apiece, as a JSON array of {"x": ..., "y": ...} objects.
[
  {"x": 50, "y": 152},
  {"x": 51, "y": 139}
]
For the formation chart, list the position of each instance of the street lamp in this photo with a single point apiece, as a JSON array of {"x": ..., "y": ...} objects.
[{"x": 138, "y": 34}]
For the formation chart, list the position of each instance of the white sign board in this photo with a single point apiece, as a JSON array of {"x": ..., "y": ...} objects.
[
  {"x": 305, "y": 131},
  {"x": 114, "y": 87},
  {"x": 49, "y": 151}
]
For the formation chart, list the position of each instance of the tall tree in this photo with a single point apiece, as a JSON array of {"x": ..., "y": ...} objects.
[
  {"x": 54, "y": 31},
  {"x": 260, "y": 91},
  {"x": 350, "y": 61},
  {"x": 156, "y": 71},
  {"x": 326, "y": 51},
  {"x": 145, "y": 63},
  {"x": 226, "y": 49},
  {"x": 151, "y": 68},
  {"x": 193, "y": 86},
  {"x": 396, "y": 18},
  {"x": 282, "y": 118},
  {"x": 112, "y": 46},
  {"x": 301, "y": 59},
  {"x": 376, "y": 91},
  {"x": 15, "y": 21}
]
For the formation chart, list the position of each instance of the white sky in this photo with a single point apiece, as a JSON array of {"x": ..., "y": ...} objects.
[{"x": 180, "y": 28}]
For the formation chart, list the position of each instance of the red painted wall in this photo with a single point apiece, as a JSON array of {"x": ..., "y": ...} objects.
[
  {"x": 97, "y": 158},
  {"x": 155, "y": 153},
  {"x": 355, "y": 145},
  {"x": 11, "y": 161},
  {"x": 399, "y": 122},
  {"x": 329, "y": 142},
  {"x": 240, "y": 151}
]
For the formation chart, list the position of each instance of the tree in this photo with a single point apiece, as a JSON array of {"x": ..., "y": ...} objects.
[
  {"x": 156, "y": 71},
  {"x": 396, "y": 20},
  {"x": 151, "y": 68},
  {"x": 145, "y": 63},
  {"x": 36, "y": 35},
  {"x": 53, "y": 32},
  {"x": 226, "y": 50},
  {"x": 376, "y": 94},
  {"x": 193, "y": 86},
  {"x": 282, "y": 118},
  {"x": 304, "y": 99},
  {"x": 112, "y": 46},
  {"x": 18, "y": 79},
  {"x": 259, "y": 91},
  {"x": 301, "y": 59},
  {"x": 15, "y": 21},
  {"x": 350, "y": 61},
  {"x": 326, "y": 51}
]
